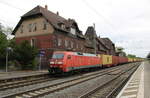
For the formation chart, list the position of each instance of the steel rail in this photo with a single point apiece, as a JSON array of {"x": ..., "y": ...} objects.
[
  {"x": 108, "y": 82},
  {"x": 120, "y": 85},
  {"x": 58, "y": 86},
  {"x": 25, "y": 83}
]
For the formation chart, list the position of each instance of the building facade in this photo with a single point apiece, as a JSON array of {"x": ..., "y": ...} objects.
[{"x": 50, "y": 32}]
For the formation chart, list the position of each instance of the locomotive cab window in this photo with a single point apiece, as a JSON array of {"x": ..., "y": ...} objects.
[
  {"x": 58, "y": 56},
  {"x": 69, "y": 57}
]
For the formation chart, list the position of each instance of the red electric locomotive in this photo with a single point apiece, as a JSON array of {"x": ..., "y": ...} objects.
[{"x": 69, "y": 61}]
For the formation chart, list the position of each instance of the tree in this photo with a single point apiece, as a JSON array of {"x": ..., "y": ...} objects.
[
  {"x": 119, "y": 49},
  {"x": 1, "y": 28},
  {"x": 131, "y": 56},
  {"x": 25, "y": 54},
  {"x": 3, "y": 45},
  {"x": 120, "y": 52}
]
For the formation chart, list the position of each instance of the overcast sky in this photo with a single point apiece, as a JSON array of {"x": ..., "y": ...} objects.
[{"x": 125, "y": 22}]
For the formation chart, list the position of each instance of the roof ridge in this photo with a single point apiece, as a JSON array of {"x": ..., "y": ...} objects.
[{"x": 46, "y": 10}]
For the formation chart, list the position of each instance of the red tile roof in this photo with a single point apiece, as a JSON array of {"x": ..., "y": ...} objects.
[{"x": 52, "y": 18}]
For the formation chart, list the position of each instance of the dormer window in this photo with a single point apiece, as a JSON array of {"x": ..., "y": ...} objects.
[
  {"x": 62, "y": 26},
  {"x": 67, "y": 28},
  {"x": 73, "y": 31}
]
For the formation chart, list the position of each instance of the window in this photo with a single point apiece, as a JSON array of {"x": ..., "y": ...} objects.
[
  {"x": 69, "y": 57},
  {"x": 77, "y": 46},
  {"x": 59, "y": 42},
  {"x": 62, "y": 26},
  {"x": 30, "y": 27},
  {"x": 33, "y": 42},
  {"x": 35, "y": 28},
  {"x": 71, "y": 44},
  {"x": 58, "y": 56},
  {"x": 21, "y": 29},
  {"x": 67, "y": 28},
  {"x": 55, "y": 42},
  {"x": 81, "y": 47},
  {"x": 66, "y": 43},
  {"x": 73, "y": 31},
  {"x": 44, "y": 25},
  {"x": 74, "y": 45}
]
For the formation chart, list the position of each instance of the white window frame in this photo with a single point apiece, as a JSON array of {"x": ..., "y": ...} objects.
[
  {"x": 59, "y": 42},
  {"x": 32, "y": 42},
  {"x": 66, "y": 43},
  {"x": 73, "y": 31}
]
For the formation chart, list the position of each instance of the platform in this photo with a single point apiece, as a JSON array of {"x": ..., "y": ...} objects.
[
  {"x": 139, "y": 84},
  {"x": 15, "y": 74}
]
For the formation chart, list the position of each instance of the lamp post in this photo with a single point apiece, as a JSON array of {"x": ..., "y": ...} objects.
[{"x": 7, "y": 50}]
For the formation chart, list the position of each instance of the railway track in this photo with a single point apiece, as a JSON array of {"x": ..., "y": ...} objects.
[
  {"x": 21, "y": 83},
  {"x": 24, "y": 81},
  {"x": 102, "y": 90},
  {"x": 34, "y": 93}
]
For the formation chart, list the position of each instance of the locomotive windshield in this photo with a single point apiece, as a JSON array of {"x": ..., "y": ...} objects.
[{"x": 58, "y": 56}]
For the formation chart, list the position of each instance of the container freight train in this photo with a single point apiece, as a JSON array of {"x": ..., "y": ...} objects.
[{"x": 70, "y": 61}]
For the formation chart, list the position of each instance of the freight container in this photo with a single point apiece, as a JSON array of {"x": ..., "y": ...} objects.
[
  {"x": 106, "y": 60},
  {"x": 129, "y": 59},
  {"x": 123, "y": 60},
  {"x": 115, "y": 60}
]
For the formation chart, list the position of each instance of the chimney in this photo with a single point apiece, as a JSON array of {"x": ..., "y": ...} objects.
[
  {"x": 57, "y": 13},
  {"x": 46, "y": 7},
  {"x": 94, "y": 25}
]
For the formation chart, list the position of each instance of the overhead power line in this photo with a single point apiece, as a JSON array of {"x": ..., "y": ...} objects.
[
  {"x": 99, "y": 14},
  {"x": 10, "y": 5}
]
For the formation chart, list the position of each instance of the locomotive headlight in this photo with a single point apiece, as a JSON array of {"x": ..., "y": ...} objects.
[{"x": 51, "y": 62}]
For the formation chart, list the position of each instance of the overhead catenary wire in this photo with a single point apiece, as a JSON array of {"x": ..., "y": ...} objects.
[
  {"x": 10, "y": 5},
  {"x": 100, "y": 15}
]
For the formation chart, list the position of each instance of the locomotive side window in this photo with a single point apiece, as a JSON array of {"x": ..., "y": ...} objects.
[
  {"x": 58, "y": 56},
  {"x": 69, "y": 57}
]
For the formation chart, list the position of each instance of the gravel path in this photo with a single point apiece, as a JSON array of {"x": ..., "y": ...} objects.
[
  {"x": 78, "y": 90},
  {"x": 35, "y": 86}
]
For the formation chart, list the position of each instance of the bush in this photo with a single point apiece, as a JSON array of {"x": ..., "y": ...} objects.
[
  {"x": 14, "y": 65},
  {"x": 30, "y": 66},
  {"x": 25, "y": 54}
]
